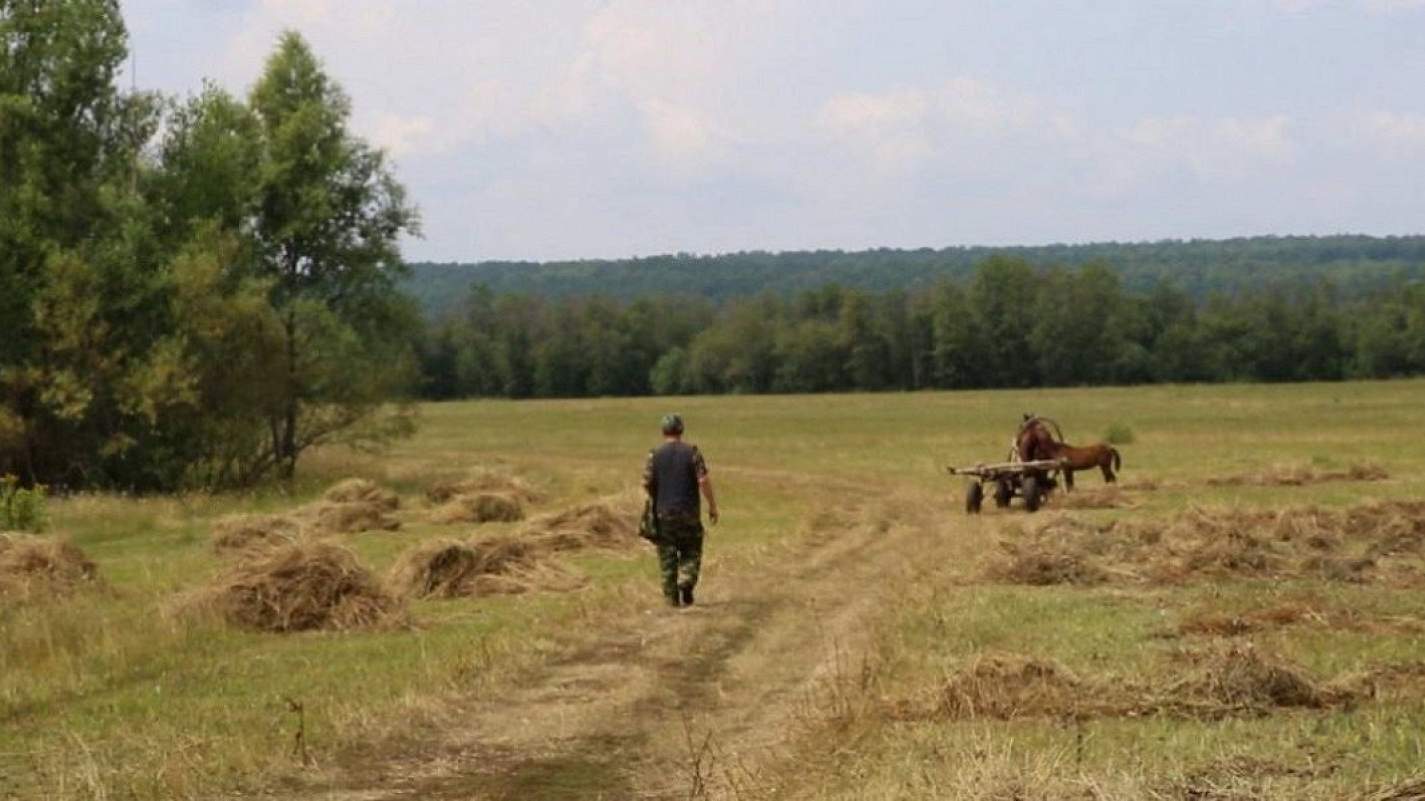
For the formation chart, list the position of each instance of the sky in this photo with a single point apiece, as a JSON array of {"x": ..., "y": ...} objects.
[{"x": 562, "y": 129}]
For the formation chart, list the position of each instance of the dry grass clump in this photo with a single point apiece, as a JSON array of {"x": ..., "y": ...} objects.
[
  {"x": 1139, "y": 484},
  {"x": 242, "y": 532},
  {"x": 34, "y": 567},
  {"x": 1218, "y": 682},
  {"x": 1044, "y": 562},
  {"x": 299, "y": 587},
  {"x": 363, "y": 491},
  {"x": 485, "y": 507},
  {"x": 1215, "y": 622},
  {"x": 1238, "y": 678},
  {"x": 1296, "y": 475},
  {"x": 1008, "y": 686},
  {"x": 1106, "y": 498},
  {"x": 352, "y": 505},
  {"x": 1410, "y": 790},
  {"x": 1372, "y": 541},
  {"x": 590, "y": 525},
  {"x": 349, "y": 518},
  {"x": 447, "y": 568},
  {"x": 484, "y": 482}
]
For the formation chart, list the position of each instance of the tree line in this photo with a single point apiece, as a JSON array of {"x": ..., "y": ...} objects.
[
  {"x": 193, "y": 291},
  {"x": 1355, "y": 265},
  {"x": 1009, "y": 325}
]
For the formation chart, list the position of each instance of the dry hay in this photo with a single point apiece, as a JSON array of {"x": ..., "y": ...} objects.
[
  {"x": 1215, "y": 622},
  {"x": 483, "y": 482},
  {"x": 1219, "y": 682},
  {"x": 1139, "y": 484},
  {"x": 1238, "y": 678},
  {"x": 612, "y": 524},
  {"x": 243, "y": 532},
  {"x": 1008, "y": 686},
  {"x": 299, "y": 587},
  {"x": 1105, "y": 498},
  {"x": 34, "y": 567},
  {"x": 1247, "y": 778},
  {"x": 1410, "y": 790},
  {"x": 1372, "y": 541},
  {"x": 363, "y": 491},
  {"x": 1295, "y": 475},
  {"x": 350, "y": 506},
  {"x": 448, "y": 568},
  {"x": 485, "y": 507},
  {"x": 1043, "y": 563},
  {"x": 349, "y": 518}
]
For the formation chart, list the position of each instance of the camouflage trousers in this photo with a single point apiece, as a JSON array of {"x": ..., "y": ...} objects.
[{"x": 680, "y": 554}]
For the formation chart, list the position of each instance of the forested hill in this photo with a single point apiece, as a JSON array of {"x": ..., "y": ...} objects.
[{"x": 1353, "y": 264}]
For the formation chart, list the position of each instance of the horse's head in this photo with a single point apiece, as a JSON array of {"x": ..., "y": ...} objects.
[{"x": 1034, "y": 440}]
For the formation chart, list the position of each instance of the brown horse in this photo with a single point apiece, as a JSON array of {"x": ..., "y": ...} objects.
[{"x": 1034, "y": 442}]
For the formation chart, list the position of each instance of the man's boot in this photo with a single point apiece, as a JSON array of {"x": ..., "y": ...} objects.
[{"x": 687, "y": 595}]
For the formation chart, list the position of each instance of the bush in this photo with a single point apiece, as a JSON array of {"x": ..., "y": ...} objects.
[
  {"x": 21, "y": 509},
  {"x": 1118, "y": 434}
]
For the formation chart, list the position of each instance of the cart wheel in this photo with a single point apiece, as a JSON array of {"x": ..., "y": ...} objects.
[
  {"x": 1031, "y": 494},
  {"x": 1003, "y": 492},
  {"x": 974, "y": 496}
]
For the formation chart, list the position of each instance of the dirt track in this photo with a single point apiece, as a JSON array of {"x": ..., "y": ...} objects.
[{"x": 695, "y": 703}]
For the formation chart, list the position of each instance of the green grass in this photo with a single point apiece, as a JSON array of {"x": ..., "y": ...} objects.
[{"x": 116, "y": 693}]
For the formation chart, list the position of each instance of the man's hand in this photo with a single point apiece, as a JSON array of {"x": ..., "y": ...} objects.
[{"x": 712, "y": 514}]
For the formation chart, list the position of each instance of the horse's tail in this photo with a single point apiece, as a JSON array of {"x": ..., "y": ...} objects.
[{"x": 1117, "y": 460}]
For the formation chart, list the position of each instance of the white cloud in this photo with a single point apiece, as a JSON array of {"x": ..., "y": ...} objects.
[
  {"x": 1222, "y": 148},
  {"x": 962, "y": 119},
  {"x": 1398, "y": 132},
  {"x": 400, "y": 135}
]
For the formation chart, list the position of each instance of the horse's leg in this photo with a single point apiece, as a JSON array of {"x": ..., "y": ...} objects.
[
  {"x": 1068, "y": 480},
  {"x": 1105, "y": 463}
]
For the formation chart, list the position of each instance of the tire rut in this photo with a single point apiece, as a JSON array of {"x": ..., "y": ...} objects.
[{"x": 641, "y": 710}]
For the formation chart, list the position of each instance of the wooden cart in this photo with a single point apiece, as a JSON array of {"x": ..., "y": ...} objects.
[{"x": 1029, "y": 480}]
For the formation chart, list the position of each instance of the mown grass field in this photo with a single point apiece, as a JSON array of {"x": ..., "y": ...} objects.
[{"x": 117, "y": 693}]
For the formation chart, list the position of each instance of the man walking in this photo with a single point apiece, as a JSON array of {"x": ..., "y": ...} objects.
[{"x": 674, "y": 476}]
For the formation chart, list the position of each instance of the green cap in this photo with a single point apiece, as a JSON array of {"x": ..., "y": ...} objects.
[{"x": 672, "y": 424}]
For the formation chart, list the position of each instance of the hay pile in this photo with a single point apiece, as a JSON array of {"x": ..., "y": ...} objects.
[
  {"x": 236, "y": 533},
  {"x": 36, "y": 567},
  {"x": 349, "y": 518},
  {"x": 1212, "y": 684},
  {"x": 1008, "y": 686},
  {"x": 1295, "y": 475},
  {"x": 483, "y": 497},
  {"x": 1237, "y": 678},
  {"x": 1038, "y": 565},
  {"x": 299, "y": 587},
  {"x": 483, "y": 482},
  {"x": 1372, "y": 541},
  {"x": 609, "y": 525},
  {"x": 483, "y": 507},
  {"x": 360, "y": 490},
  {"x": 353, "y": 505},
  {"x": 448, "y": 568}
]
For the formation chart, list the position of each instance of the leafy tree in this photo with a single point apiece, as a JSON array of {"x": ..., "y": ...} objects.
[
  {"x": 72, "y": 231},
  {"x": 1003, "y": 300},
  {"x": 959, "y": 348},
  {"x": 328, "y": 216}
]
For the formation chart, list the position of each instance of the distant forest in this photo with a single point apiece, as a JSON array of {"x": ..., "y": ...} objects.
[
  {"x": 1355, "y": 266},
  {"x": 1006, "y": 322}
]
